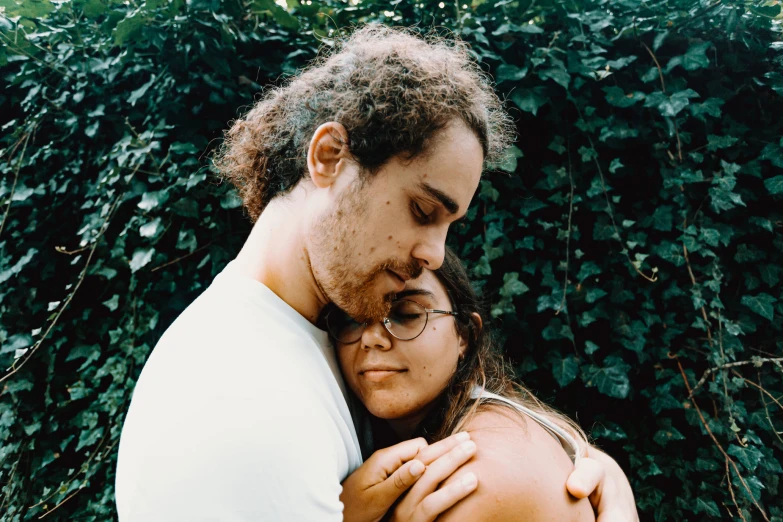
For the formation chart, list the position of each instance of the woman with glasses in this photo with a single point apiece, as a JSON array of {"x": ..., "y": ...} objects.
[{"x": 429, "y": 369}]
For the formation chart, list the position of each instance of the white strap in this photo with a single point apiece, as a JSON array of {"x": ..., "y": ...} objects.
[{"x": 572, "y": 448}]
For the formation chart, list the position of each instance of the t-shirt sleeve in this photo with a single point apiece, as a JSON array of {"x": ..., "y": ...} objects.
[{"x": 232, "y": 459}]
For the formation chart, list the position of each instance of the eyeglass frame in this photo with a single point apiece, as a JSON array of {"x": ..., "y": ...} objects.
[{"x": 385, "y": 321}]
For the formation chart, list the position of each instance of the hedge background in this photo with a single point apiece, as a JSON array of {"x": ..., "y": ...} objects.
[{"x": 633, "y": 255}]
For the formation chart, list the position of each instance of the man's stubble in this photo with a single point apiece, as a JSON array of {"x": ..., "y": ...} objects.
[{"x": 336, "y": 259}]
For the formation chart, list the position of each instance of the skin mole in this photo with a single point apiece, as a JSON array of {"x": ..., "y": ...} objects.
[{"x": 391, "y": 237}]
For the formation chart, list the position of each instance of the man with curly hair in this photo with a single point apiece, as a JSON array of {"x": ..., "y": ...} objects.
[{"x": 352, "y": 173}]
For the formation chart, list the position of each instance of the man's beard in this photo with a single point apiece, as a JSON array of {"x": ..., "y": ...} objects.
[{"x": 332, "y": 247}]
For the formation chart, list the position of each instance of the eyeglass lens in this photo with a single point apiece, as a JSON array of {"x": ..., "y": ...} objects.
[{"x": 405, "y": 321}]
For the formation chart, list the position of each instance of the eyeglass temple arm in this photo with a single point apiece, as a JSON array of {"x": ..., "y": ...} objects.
[{"x": 432, "y": 310}]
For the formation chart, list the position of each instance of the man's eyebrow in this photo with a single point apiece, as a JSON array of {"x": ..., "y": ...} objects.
[
  {"x": 414, "y": 291},
  {"x": 448, "y": 203}
]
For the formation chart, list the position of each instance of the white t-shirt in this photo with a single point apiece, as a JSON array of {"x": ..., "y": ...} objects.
[{"x": 239, "y": 415}]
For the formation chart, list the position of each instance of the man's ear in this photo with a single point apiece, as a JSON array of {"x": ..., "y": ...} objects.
[{"x": 327, "y": 153}]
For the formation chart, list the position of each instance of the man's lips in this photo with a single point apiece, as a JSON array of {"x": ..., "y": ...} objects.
[{"x": 401, "y": 277}]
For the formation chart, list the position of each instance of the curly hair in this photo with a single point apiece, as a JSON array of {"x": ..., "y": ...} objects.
[{"x": 391, "y": 89}]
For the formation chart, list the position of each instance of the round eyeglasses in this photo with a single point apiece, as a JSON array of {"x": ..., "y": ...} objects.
[{"x": 405, "y": 321}]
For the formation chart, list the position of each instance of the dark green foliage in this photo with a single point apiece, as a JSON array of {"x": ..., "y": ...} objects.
[{"x": 635, "y": 245}]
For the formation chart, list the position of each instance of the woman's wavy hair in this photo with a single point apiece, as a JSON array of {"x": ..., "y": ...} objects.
[
  {"x": 391, "y": 89},
  {"x": 482, "y": 365}
]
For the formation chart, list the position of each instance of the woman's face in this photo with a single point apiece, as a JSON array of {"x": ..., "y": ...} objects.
[{"x": 399, "y": 379}]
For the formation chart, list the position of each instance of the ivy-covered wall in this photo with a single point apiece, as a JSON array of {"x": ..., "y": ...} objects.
[{"x": 633, "y": 251}]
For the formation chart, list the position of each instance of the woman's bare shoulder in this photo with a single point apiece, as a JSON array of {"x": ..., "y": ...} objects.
[{"x": 522, "y": 472}]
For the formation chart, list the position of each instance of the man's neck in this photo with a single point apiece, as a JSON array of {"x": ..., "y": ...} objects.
[{"x": 275, "y": 254}]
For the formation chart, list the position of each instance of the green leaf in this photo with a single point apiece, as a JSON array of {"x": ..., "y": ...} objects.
[
  {"x": 594, "y": 294},
  {"x": 720, "y": 142},
  {"x": 708, "y": 507},
  {"x": 93, "y": 8},
  {"x": 141, "y": 91},
  {"x": 694, "y": 58},
  {"x": 150, "y": 200},
  {"x": 507, "y": 72},
  {"x": 230, "y": 200},
  {"x": 27, "y": 8},
  {"x": 615, "y": 165},
  {"x": 616, "y": 97},
  {"x": 530, "y": 100},
  {"x": 662, "y": 218},
  {"x": 761, "y": 304},
  {"x": 557, "y": 74},
  {"x": 611, "y": 379},
  {"x": 141, "y": 258},
  {"x": 510, "y": 162},
  {"x": 749, "y": 456},
  {"x": 152, "y": 228},
  {"x": 128, "y": 28},
  {"x": 609, "y": 431},
  {"x": 512, "y": 286},
  {"x": 565, "y": 369},
  {"x": 112, "y": 303},
  {"x": 774, "y": 185}
]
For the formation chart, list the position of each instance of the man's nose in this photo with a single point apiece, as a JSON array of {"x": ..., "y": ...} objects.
[
  {"x": 430, "y": 250},
  {"x": 376, "y": 336}
]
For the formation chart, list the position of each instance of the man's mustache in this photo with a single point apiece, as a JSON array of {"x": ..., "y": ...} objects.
[{"x": 410, "y": 270}]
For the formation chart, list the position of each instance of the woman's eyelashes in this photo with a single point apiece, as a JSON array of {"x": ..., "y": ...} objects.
[{"x": 419, "y": 215}]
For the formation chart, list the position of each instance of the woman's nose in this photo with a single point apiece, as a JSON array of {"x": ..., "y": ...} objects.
[{"x": 376, "y": 336}]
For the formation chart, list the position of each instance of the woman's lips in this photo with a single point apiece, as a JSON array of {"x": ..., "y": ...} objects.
[{"x": 379, "y": 375}]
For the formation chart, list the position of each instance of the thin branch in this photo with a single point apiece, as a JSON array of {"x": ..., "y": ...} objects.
[
  {"x": 693, "y": 282},
  {"x": 731, "y": 492},
  {"x": 568, "y": 234},
  {"x": 757, "y": 361},
  {"x": 16, "y": 178},
  {"x": 69, "y": 497},
  {"x": 658, "y": 65},
  {"x": 762, "y": 391},
  {"x": 29, "y": 354},
  {"x": 609, "y": 211},
  {"x": 35, "y": 58},
  {"x": 715, "y": 440},
  {"x": 202, "y": 247}
]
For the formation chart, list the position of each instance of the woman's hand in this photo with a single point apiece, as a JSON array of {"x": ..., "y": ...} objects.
[
  {"x": 425, "y": 502},
  {"x": 370, "y": 491},
  {"x": 600, "y": 478}
]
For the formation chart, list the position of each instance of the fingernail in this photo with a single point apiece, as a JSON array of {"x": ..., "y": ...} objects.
[
  {"x": 462, "y": 436},
  {"x": 468, "y": 447},
  {"x": 417, "y": 468},
  {"x": 469, "y": 481}
]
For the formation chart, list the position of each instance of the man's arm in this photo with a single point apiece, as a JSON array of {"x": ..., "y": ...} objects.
[
  {"x": 599, "y": 478},
  {"x": 522, "y": 471}
]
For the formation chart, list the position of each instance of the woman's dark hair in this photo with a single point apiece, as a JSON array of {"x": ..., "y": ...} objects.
[
  {"x": 391, "y": 89},
  {"x": 482, "y": 364}
]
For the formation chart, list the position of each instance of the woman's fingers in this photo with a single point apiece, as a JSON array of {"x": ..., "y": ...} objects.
[
  {"x": 389, "y": 460},
  {"x": 433, "y": 452},
  {"x": 398, "y": 483},
  {"x": 586, "y": 477},
  {"x": 440, "y": 470},
  {"x": 436, "y": 503}
]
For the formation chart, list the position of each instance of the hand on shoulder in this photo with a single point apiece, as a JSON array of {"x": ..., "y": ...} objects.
[{"x": 522, "y": 472}]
